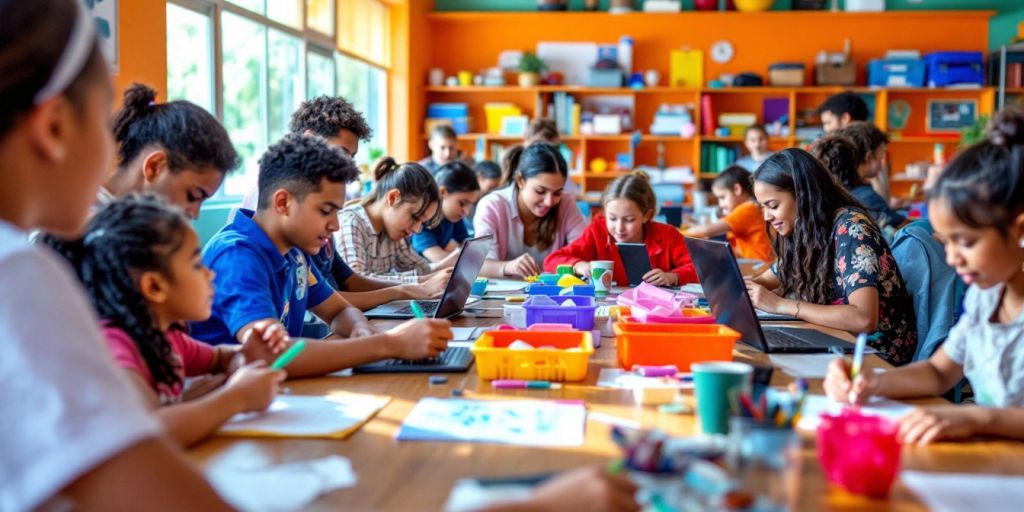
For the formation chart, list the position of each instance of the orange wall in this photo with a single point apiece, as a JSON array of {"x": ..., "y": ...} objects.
[{"x": 142, "y": 41}]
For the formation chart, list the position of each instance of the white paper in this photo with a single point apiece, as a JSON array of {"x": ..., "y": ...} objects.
[
  {"x": 519, "y": 422},
  {"x": 622, "y": 379},
  {"x": 246, "y": 478},
  {"x": 505, "y": 286},
  {"x": 469, "y": 495},
  {"x": 465, "y": 333},
  {"x": 808, "y": 366},
  {"x": 312, "y": 416},
  {"x": 962, "y": 492},
  {"x": 816, "y": 405},
  {"x": 693, "y": 288}
]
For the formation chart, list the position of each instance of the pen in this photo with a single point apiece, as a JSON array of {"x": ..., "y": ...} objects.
[
  {"x": 416, "y": 310},
  {"x": 288, "y": 355},
  {"x": 858, "y": 355},
  {"x": 524, "y": 384}
]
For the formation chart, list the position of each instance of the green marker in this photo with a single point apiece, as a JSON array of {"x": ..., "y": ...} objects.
[
  {"x": 285, "y": 358},
  {"x": 416, "y": 310}
]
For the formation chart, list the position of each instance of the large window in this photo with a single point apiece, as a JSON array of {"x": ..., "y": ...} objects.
[{"x": 251, "y": 62}]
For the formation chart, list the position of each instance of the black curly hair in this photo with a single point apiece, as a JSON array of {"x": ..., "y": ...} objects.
[
  {"x": 866, "y": 137},
  {"x": 327, "y": 115},
  {"x": 841, "y": 158},
  {"x": 806, "y": 255},
  {"x": 299, "y": 164},
  {"x": 192, "y": 137},
  {"x": 984, "y": 185},
  {"x": 130, "y": 236},
  {"x": 412, "y": 180}
]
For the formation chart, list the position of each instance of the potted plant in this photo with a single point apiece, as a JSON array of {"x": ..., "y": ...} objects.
[{"x": 530, "y": 68}]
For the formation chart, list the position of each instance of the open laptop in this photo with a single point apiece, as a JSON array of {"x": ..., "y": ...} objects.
[
  {"x": 727, "y": 295},
  {"x": 467, "y": 267}
]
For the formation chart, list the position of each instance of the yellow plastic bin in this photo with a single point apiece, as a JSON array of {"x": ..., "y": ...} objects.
[{"x": 567, "y": 361}]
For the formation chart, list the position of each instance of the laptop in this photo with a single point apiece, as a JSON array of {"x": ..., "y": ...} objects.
[
  {"x": 453, "y": 300},
  {"x": 727, "y": 295}
]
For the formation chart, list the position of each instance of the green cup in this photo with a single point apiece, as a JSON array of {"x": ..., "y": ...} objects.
[
  {"x": 713, "y": 383},
  {"x": 564, "y": 269}
]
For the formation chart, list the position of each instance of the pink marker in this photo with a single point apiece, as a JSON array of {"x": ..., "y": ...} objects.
[
  {"x": 655, "y": 371},
  {"x": 524, "y": 384}
]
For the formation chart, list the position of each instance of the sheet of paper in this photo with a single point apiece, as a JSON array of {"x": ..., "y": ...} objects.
[
  {"x": 816, "y": 405},
  {"x": 693, "y": 288},
  {"x": 249, "y": 481},
  {"x": 505, "y": 286},
  {"x": 335, "y": 415},
  {"x": 961, "y": 492},
  {"x": 622, "y": 379},
  {"x": 465, "y": 333},
  {"x": 519, "y": 422},
  {"x": 808, "y": 366},
  {"x": 469, "y": 494}
]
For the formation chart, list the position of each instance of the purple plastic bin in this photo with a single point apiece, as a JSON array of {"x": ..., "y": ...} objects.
[{"x": 541, "y": 309}]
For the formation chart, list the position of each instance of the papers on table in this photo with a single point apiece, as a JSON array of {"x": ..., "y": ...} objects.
[
  {"x": 519, "y": 422},
  {"x": 335, "y": 415},
  {"x": 249, "y": 481},
  {"x": 808, "y": 366},
  {"x": 693, "y": 288},
  {"x": 622, "y": 379},
  {"x": 962, "y": 492},
  {"x": 816, "y": 405},
  {"x": 505, "y": 286}
]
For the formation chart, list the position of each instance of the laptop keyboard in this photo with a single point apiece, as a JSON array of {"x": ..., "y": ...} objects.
[
  {"x": 453, "y": 359},
  {"x": 429, "y": 307},
  {"x": 782, "y": 339}
]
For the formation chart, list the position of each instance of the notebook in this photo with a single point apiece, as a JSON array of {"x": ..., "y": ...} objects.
[
  {"x": 335, "y": 416},
  {"x": 515, "y": 422}
]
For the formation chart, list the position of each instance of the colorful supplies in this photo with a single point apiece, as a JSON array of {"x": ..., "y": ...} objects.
[
  {"x": 649, "y": 303},
  {"x": 570, "y": 309},
  {"x": 676, "y": 344},
  {"x": 567, "y": 360},
  {"x": 859, "y": 453}
]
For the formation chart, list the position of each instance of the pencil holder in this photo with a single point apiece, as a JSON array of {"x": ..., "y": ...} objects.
[
  {"x": 859, "y": 453},
  {"x": 763, "y": 461}
]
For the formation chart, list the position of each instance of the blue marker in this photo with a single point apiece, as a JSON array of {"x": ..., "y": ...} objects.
[{"x": 858, "y": 355}]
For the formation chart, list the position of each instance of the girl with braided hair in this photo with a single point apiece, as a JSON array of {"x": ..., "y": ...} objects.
[
  {"x": 834, "y": 268},
  {"x": 141, "y": 266}
]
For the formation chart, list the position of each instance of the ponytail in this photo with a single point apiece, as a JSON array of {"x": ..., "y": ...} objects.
[
  {"x": 411, "y": 180},
  {"x": 509, "y": 164},
  {"x": 842, "y": 158},
  {"x": 633, "y": 187}
]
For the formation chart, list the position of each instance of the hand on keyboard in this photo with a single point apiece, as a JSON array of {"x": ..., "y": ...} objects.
[{"x": 419, "y": 339}]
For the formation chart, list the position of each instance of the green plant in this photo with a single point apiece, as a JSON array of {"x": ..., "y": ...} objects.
[
  {"x": 531, "y": 63},
  {"x": 974, "y": 133},
  {"x": 375, "y": 154}
]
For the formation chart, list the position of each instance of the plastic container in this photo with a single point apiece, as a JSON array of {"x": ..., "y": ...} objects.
[
  {"x": 859, "y": 453},
  {"x": 786, "y": 74},
  {"x": 685, "y": 316},
  {"x": 678, "y": 344},
  {"x": 753, "y": 5},
  {"x": 552, "y": 290},
  {"x": 494, "y": 360},
  {"x": 542, "y": 309},
  {"x": 896, "y": 72}
]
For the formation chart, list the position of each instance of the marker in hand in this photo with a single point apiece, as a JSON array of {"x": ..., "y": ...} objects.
[
  {"x": 416, "y": 311},
  {"x": 858, "y": 362},
  {"x": 288, "y": 355}
]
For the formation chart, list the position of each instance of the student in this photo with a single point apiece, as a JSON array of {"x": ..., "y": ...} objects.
[
  {"x": 542, "y": 129},
  {"x": 75, "y": 434},
  {"x": 528, "y": 218},
  {"x": 629, "y": 206},
  {"x": 488, "y": 175},
  {"x": 459, "y": 191},
  {"x": 444, "y": 148},
  {"x": 844, "y": 161},
  {"x": 841, "y": 109},
  {"x": 834, "y": 268},
  {"x": 755, "y": 138},
  {"x": 141, "y": 267},
  {"x": 977, "y": 207},
  {"x": 743, "y": 223},
  {"x": 374, "y": 232},
  {"x": 872, "y": 144},
  {"x": 342, "y": 126}
]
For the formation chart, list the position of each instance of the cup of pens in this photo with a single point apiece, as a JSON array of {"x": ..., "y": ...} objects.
[{"x": 763, "y": 447}]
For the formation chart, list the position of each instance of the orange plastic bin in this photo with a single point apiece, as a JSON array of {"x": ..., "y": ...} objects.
[{"x": 676, "y": 344}]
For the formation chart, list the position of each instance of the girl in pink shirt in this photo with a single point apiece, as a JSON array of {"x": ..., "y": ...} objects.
[{"x": 141, "y": 266}]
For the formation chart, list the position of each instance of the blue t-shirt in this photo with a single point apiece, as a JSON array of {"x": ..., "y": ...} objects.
[
  {"x": 333, "y": 269},
  {"x": 876, "y": 206},
  {"x": 254, "y": 281},
  {"x": 439, "y": 236}
]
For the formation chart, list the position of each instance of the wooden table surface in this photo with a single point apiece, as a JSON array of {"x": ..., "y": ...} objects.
[{"x": 420, "y": 475}]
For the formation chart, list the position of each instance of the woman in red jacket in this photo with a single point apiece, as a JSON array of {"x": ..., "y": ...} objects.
[{"x": 628, "y": 209}]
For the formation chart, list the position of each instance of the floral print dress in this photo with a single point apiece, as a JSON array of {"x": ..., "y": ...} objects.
[{"x": 863, "y": 258}]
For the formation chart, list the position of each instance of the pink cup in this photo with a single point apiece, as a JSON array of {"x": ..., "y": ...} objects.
[{"x": 859, "y": 453}]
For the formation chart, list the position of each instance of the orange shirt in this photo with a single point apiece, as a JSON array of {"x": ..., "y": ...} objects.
[{"x": 747, "y": 233}]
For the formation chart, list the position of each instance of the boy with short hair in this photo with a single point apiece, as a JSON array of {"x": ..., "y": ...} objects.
[
  {"x": 263, "y": 270},
  {"x": 444, "y": 148},
  {"x": 841, "y": 109}
]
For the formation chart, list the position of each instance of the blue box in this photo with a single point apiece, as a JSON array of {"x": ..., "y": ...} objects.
[
  {"x": 604, "y": 77},
  {"x": 953, "y": 68},
  {"x": 896, "y": 72},
  {"x": 449, "y": 110}
]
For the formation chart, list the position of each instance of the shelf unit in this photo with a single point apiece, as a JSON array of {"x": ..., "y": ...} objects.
[{"x": 456, "y": 41}]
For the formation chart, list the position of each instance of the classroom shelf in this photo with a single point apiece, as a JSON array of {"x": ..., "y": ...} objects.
[
  {"x": 924, "y": 139},
  {"x": 690, "y": 16},
  {"x": 606, "y": 174},
  {"x": 708, "y": 175},
  {"x": 906, "y": 179},
  {"x": 738, "y": 138},
  {"x": 809, "y": 89}
]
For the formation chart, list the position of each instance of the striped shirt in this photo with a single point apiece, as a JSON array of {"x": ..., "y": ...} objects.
[{"x": 373, "y": 255}]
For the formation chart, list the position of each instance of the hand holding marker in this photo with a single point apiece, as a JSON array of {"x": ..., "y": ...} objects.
[
  {"x": 289, "y": 355},
  {"x": 858, "y": 362}
]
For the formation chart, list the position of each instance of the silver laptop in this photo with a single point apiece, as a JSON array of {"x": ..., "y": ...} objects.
[{"x": 452, "y": 302}]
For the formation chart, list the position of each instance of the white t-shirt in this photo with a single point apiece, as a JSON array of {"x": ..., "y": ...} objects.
[
  {"x": 991, "y": 353},
  {"x": 64, "y": 407}
]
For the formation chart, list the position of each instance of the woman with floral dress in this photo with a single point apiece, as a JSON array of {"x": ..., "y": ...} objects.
[{"x": 834, "y": 268}]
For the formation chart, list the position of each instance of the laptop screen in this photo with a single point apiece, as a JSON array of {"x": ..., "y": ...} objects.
[
  {"x": 724, "y": 289},
  {"x": 468, "y": 266}
]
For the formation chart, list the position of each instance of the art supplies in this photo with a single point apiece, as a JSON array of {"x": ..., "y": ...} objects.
[
  {"x": 622, "y": 379},
  {"x": 858, "y": 356},
  {"x": 288, "y": 355},
  {"x": 676, "y": 344},
  {"x": 568, "y": 360},
  {"x": 520, "y": 422},
  {"x": 335, "y": 416},
  {"x": 714, "y": 384},
  {"x": 524, "y": 384}
]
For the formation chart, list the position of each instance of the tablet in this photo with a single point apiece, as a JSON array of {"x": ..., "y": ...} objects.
[{"x": 636, "y": 262}]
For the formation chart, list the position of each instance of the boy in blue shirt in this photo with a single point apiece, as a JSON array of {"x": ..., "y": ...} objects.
[{"x": 264, "y": 275}]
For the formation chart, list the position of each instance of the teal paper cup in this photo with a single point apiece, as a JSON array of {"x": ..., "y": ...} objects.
[{"x": 713, "y": 383}]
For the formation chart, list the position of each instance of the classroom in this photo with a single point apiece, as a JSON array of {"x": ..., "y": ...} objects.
[{"x": 512, "y": 255}]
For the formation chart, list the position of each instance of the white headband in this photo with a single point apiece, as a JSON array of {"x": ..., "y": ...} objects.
[{"x": 76, "y": 52}]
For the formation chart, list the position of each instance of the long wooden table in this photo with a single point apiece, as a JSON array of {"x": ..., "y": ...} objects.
[{"x": 420, "y": 475}]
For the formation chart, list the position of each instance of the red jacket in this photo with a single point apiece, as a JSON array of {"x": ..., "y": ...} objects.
[{"x": 665, "y": 246}]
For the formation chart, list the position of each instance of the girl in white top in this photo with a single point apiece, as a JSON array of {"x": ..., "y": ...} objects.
[{"x": 977, "y": 207}]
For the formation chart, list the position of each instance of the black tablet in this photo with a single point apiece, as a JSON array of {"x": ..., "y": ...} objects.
[{"x": 636, "y": 262}]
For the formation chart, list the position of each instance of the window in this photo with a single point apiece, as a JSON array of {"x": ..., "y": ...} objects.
[
  {"x": 252, "y": 62},
  {"x": 190, "y": 35}
]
